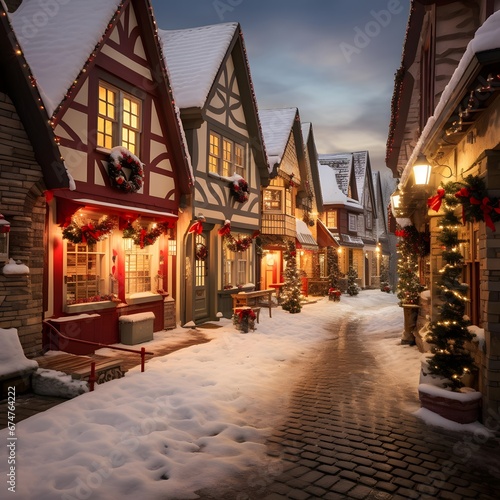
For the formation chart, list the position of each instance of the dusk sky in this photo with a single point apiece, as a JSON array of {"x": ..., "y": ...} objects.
[{"x": 332, "y": 59}]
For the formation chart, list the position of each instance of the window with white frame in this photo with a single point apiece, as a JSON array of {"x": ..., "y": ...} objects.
[
  {"x": 138, "y": 270},
  {"x": 225, "y": 157},
  {"x": 118, "y": 119},
  {"x": 235, "y": 267},
  {"x": 85, "y": 272},
  {"x": 353, "y": 223}
]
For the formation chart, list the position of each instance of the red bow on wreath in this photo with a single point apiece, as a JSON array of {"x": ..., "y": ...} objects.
[
  {"x": 434, "y": 202},
  {"x": 88, "y": 231},
  {"x": 486, "y": 208},
  {"x": 225, "y": 229},
  {"x": 197, "y": 227}
]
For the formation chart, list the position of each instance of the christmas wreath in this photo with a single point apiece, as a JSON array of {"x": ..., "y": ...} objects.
[
  {"x": 239, "y": 188},
  {"x": 477, "y": 205},
  {"x": 201, "y": 252},
  {"x": 88, "y": 233},
  {"x": 119, "y": 159},
  {"x": 142, "y": 236},
  {"x": 233, "y": 244}
]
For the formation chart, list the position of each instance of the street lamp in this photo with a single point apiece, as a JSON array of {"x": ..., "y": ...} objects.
[{"x": 421, "y": 171}]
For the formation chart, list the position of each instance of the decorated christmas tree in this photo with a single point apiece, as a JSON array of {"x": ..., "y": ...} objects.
[
  {"x": 352, "y": 287},
  {"x": 409, "y": 286},
  {"x": 449, "y": 332},
  {"x": 292, "y": 282},
  {"x": 384, "y": 276},
  {"x": 333, "y": 267}
]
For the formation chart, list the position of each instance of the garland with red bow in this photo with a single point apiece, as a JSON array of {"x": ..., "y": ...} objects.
[
  {"x": 89, "y": 233},
  {"x": 233, "y": 244},
  {"x": 477, "y": 205},
  {"x": 413, "y": 241},
  {"x": 142, "y": 236}
]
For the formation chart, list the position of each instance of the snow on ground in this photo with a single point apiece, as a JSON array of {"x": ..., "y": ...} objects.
[{"x": 197, "y": 415}]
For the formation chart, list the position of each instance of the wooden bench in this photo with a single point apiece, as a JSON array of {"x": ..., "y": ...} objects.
[{"x": 243, "y": 299}]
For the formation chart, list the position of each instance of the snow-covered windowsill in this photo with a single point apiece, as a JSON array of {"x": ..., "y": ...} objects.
[
  {"x": 139, "y": 298},
  {"x": 89, "y": 306}
]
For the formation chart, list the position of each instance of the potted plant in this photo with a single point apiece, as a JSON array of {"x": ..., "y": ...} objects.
[{"x": 448, "y": 333}]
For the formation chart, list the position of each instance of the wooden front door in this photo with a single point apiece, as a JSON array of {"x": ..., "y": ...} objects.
[{"x": 201, "y": 295}]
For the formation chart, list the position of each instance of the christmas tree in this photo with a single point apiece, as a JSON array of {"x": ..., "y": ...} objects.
[
  {"x": 333, "y": 267},
  {"x": 352, "y": 287},
  {"x": 449, "y": 332},
  {"x": 384, "y": 276},
  {"x": 411, "y": 246},
  {"x": 292, "y": 283}
]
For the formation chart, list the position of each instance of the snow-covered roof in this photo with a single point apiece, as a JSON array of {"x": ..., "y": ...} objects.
[
  {"x": 306, "y": 130},
  {"x": 304, "y": 235},
  {"x": 194, "y": 57},
  {"x": 360, "y": 164},
  {"x": 330, "y": 190},
  {"x": 342, "y": 164},
  {"x": 276, "y": 127},
  {"x": 58, "y": 48}
]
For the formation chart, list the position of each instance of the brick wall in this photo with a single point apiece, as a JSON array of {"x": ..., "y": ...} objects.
[{"x": 23, "y": 205}]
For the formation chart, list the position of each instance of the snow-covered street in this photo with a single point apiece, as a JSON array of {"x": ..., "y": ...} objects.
[{"x": 199, "y": 415}]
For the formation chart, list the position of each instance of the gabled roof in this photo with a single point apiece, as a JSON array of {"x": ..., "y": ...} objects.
[
  {"x": 194, "y": 57},
  {"x": 58, "y": 48},
  {"x": 62, "y": 49},
  {"x": 17, "y": 82},
  {"x": 342, "y": 164},
  {"x": 310, "y": 146},
  {"x": 331, "y": 192},
  {"x": 277, "y": 126},
  {"x": 362, "y": 171}
]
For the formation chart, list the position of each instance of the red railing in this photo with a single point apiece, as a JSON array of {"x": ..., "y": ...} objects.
[{"x": 92, "y": 378}]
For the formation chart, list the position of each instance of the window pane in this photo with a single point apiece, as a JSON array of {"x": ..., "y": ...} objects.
[
  {"x": 137, "y": 270},
  {"x": 272, "y": 199}
]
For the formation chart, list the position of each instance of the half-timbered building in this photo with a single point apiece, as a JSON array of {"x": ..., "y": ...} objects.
[
  {"x": 213, "y": 89},
  {"x": 288, "y": 201},
  {"x": 111, "y": 242}
]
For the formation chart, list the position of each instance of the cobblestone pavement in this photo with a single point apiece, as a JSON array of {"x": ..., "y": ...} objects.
[{"x": 350, "y": 434}]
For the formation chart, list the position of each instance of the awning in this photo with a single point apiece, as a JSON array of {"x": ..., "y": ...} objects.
[
  {"x": 347, "y": 240},
  {"x": 66, "y": 207},
  {"x": 325, "y": 237},
  {"x": 305, "y": 239}
]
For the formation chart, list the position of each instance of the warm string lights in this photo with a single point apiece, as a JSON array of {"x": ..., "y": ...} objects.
[{"x": 449, "y": 332}]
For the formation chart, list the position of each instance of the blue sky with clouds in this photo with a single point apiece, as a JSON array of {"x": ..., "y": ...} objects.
[{"x": 332, "y": 59}]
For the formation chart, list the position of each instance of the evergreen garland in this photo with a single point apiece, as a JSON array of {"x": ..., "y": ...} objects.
[
  {"x": 89, "y": 233},
  {"x": 292, "y": 284}
]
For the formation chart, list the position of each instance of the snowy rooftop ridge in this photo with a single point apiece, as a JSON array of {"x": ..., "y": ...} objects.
[
  {"x": 276, "y": 128},
  {"x": 194, "y": 56},
  {"x": 58, "y": 49}
]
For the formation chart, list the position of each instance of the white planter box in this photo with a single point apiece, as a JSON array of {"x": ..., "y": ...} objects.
[{"x": 136, "y": 328}]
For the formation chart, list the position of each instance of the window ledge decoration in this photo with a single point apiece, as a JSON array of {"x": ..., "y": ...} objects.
[
  {"x": 142, "y": 236},
  {"x": 239, "y": 188},
  {"x": 119, "y": 159},
  {"x": 201, "y": 252},
  {"x": 471, "y": 193},
  {"x": 88, "y": 233},
  {"x": 233, "y": 244},
  {"x": 96, "y": 298}
]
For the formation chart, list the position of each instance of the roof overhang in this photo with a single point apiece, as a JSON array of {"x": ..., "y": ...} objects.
[
  {"x": 325, "y": 237},
  {"x": 305, "y": 239}
]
